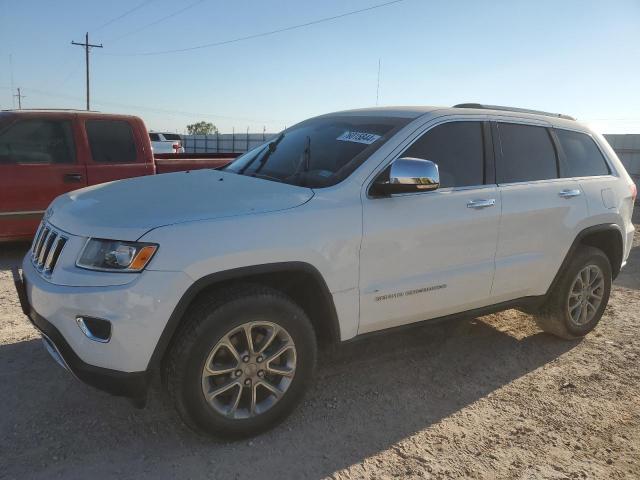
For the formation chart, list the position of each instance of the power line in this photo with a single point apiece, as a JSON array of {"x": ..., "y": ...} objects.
[
  {"x": 160, "y": 20},
  {"x": 115, "y": 19},
  {"x": 263, "y": 34},
  {"x": 87, "y": 46},
  {"x": 155, "y": 109}
]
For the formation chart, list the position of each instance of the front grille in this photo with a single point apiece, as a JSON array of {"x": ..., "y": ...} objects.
[{"x": 46, "y": 249}]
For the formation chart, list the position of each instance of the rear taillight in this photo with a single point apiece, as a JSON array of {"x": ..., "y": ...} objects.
[{"x": 634, "y": 191}]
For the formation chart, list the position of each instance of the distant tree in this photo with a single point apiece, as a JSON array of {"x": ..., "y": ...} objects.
[{"x": 202, "y": 128}]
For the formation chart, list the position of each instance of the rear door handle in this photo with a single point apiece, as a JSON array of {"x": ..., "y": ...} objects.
[
  {"x": 72, "y": 177},
  {"x": 569, "y": 193},
  {"x": 481, "y": 203}
]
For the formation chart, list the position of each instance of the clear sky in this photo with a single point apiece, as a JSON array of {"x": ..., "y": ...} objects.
[{"x": 572, "y": 56}]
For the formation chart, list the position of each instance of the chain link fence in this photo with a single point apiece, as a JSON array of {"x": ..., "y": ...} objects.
[{"x": 224, "y": 142}]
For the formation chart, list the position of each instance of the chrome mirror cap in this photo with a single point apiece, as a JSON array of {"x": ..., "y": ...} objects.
[{"x": 406, "y": 175}]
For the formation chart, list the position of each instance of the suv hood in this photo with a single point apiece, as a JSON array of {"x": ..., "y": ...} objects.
[{"x": 127, "y": 209}]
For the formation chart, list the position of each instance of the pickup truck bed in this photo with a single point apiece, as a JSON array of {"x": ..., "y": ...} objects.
[{"x": 45, "y": 153}]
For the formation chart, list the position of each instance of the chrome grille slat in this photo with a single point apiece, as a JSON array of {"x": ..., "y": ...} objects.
[
  {"x": 47, "y": 247},
  {"x": 53, "y": 256},
  {"x": 49, "y": 259},
  {"x": 36, "y": 238},
  {"x": 43, "y": 236}
]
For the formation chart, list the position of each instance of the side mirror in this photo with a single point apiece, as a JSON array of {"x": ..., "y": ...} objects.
[{"x": 407, "y": 175}]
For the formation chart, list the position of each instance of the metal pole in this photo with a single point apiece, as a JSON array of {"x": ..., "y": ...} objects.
[
  {"x": 86, "y": 46},
  {"x": 86, "y": 63}
]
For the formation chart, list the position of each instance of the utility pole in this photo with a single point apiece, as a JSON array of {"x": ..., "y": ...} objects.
[
  {"x": 19, "y": 96},
  {"x": 87, "y": 46}
]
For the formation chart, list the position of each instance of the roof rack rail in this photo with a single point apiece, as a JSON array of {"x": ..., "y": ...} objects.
[{"x": 512, "y": 109}]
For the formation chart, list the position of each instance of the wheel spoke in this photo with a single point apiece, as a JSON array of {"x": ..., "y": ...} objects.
[
  {"x": 283, "y": 372},
  {"x": 236, "y": 401},
  {"x": 231, "y": 348},
  {"x": 247, "y": 333},
  {"x": 279, "y": 353},
  {"x": 272, "y": 335},
  {"x": 254, "y": 397},
  {"x": 219, "y": 371},
  {"x": 222, "y": 389},
  {"x": 583, "y": 313},
  {"x": 272, "y": 388}
]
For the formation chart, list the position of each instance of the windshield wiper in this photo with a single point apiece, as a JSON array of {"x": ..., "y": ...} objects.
[
  {"x": 307, "y": 154},
  {"x": 264, "y": 155},
  {"x": 305, "y": 162}
]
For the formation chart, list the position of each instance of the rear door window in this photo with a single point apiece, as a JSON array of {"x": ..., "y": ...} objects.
[
  {"x": 458, "y": 150},
  {"x": 37, "y": 142},
  {"x": 582, "y": 157},
  {"x": 528, "y": 154},
  {"x": 154, "y": 137},
  {"x": 111, "y": 141}
]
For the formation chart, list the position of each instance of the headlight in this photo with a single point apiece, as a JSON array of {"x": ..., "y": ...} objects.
[{"x": 116, "y": 256}]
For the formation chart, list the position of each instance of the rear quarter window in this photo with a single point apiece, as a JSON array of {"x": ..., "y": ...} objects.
[
  {"x": 111, "y": 141},
  {"x": 154, "y": 137},
  {"x": 582, "y": 157}
]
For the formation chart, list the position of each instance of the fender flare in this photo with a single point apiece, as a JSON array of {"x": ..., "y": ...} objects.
[
  {"x": 605, "y": 227},
  {"x": 237, "y": 274}
]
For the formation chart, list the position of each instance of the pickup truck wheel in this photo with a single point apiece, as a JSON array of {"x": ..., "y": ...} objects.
[
  {"x": 577, "y": 303},
  {"x": 242, "y": 362}
]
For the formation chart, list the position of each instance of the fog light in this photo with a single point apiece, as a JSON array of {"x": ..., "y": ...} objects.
[{"x": 95, "y": 329}]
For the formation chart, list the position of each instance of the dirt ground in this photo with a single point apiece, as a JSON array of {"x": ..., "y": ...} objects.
[{"x": 491, "y": 397}]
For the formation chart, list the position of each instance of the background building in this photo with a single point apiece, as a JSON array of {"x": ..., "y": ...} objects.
[{"x": 628, "y": 149}]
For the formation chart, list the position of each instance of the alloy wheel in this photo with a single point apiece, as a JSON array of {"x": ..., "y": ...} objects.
[
  {"x": 585, "y": 295},
  {"x": 249, "y": 369}
]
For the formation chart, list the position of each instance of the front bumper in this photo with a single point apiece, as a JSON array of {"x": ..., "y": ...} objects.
[
  {"x": 128, "y": 384},
  {"x": 138, "y": 312}
]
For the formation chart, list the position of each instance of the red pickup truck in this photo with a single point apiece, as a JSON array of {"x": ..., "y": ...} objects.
[{"x": 44, "y": 153}]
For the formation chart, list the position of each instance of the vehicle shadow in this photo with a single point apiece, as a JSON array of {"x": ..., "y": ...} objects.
[
  {"x": 11, "y": 254},
  {"x": 368, "y": 395}
]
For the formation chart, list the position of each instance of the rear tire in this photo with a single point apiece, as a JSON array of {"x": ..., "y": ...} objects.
[
  {"x": 260, "y": 380},
  {"x": 579, "y": 299}
]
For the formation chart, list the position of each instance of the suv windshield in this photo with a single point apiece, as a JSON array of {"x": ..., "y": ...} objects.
[{"x": 318, "y": 152}]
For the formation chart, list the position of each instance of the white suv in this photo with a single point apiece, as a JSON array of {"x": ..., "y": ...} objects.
[{"x": 342, "y": 225}]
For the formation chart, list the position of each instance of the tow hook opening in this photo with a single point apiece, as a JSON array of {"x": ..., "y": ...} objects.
[{"x": 96, "y": 329}]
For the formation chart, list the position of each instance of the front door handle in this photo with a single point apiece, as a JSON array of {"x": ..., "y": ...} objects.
[
  {"x": 569, "y": 193},
  {"x": 481, "y": 203},
  {"x": 72, "y": 177}
]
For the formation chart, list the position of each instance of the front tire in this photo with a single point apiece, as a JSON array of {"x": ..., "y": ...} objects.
[
  {"x": 580, "y": 297},
  {"x": 242, "y": 362}
]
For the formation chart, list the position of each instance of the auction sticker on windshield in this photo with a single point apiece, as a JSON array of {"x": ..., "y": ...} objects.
[{"x": 358, "y": 137}]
